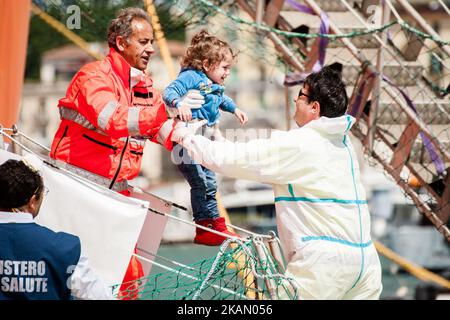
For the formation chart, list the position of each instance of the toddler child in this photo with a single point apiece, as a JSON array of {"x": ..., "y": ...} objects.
[{"x": 205, "y": 66}]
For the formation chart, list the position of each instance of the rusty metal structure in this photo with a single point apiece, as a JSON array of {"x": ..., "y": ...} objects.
[{"x": 402, "y": 120}]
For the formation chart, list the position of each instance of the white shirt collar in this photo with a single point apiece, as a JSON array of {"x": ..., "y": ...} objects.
[
  {"x": 16, "y": 217},
  {"x": 135, "y": 76}
]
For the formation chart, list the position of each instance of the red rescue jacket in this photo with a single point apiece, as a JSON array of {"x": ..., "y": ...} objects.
[{"x": 104, "y": 122}]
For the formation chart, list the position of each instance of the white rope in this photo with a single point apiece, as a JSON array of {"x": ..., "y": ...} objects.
[
  {"x": 444, "y": 6},
  {"x": 177, "y": 263},
  {"x": 25, "y": 136},
  {"x": 247, "y": 231},
  {"x": 35, "y": 142},
  {"x": 401, "y": 21},
  {"x": 230, "y": 238},
  {"x": 357, "y": 16},
  {"x": 188, "y": 276},
  {"x": 222, "y": 248},
  {"x": 225, "y": 235},
  {"x": 184, "y": 209},
  {"x": 88, "y": 183},
  {"x": 395, "y": 12},
  {"x": 252, "y": 264},
  {"x": 15, "y": 141},
  {"x": 393, "y": 54},
  {"x": 292, "y": 281}
]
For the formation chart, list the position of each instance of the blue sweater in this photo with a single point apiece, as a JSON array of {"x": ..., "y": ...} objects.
[{"x": 215, "y": 99}]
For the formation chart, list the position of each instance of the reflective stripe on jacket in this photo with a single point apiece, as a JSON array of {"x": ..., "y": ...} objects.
[{"x": 104, "y": 122}]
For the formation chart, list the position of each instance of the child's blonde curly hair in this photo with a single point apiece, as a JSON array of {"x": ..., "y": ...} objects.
[{"x": 206, "y": 47}]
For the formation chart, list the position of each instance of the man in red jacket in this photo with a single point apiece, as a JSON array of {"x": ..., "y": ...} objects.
[{"x": 110, "y": 109}]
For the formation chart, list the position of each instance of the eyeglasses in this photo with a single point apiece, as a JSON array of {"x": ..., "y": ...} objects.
[
  {"x": 44, "y": 191},
  {"x": 303, "y": 94}
]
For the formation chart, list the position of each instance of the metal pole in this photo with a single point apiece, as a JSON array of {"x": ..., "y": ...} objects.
[
  {"x": 260, "y": 4},
  {"x": 287, "y": 108},
  {"x": 421, "y": 21},
  {"x": 284, "y": 50},
  {"x": 264, "y": 263},
  {"x": 353, "y": 50},
  {"x": 16, "y": 136},
  {"x": 160, "y": 39},
  {"x": 376, "y": 92},
  {"x": 275, "y": 250},
  {"x": 444, "y": 6},
  {"x": 394, "y": 55},
  {"x": 256, "y": 295},
  {"x": 2, "y": 141},
  {"x": 370, "y": 68},
  {"x": 61, "y": 28},
  {"x": 423, "y": 207}
]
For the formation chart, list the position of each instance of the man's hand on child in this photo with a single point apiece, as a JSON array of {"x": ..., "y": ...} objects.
[
  {"x": 241, "y": 115},
  {"x": 192, "y": 100}
]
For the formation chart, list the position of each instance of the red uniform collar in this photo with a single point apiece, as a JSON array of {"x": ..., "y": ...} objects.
[{"x": 120, "y": 66}]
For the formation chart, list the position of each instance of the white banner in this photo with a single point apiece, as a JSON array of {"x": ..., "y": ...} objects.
[{"x": 107, "y": 223}]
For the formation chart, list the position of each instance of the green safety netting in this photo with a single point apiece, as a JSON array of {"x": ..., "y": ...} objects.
[{"x": 238, "y": 272}]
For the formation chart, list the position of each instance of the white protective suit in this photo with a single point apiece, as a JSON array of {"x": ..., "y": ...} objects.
[{"x": 322, "y": 215}]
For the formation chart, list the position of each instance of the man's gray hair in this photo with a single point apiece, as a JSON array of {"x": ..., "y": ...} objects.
[{"x": 121, "y": 26}]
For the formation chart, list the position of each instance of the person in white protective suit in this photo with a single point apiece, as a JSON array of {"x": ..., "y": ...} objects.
[{"x": 322, "y": 215}]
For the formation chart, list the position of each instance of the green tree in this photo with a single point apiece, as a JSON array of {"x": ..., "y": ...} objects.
[{"x": 95, "y": 18}]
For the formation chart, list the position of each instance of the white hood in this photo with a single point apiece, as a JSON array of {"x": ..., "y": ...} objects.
[{"x": 332, "y": 126}]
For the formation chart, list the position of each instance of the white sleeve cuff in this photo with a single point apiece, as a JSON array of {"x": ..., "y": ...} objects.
[{"x": 86, "y": 285}]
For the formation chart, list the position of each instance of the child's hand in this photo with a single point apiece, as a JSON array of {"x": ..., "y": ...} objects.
[
  {"x": 191, "y": 100},
  {"x": 241, "y": 115},
  {"x": 185, "y": 113}
]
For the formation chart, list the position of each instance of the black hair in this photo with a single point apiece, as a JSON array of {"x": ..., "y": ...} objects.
[
  {"x": 327, "y": 88},
  {"x": 18, "y": 183},
  {"x": 121, "y": 25}
]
